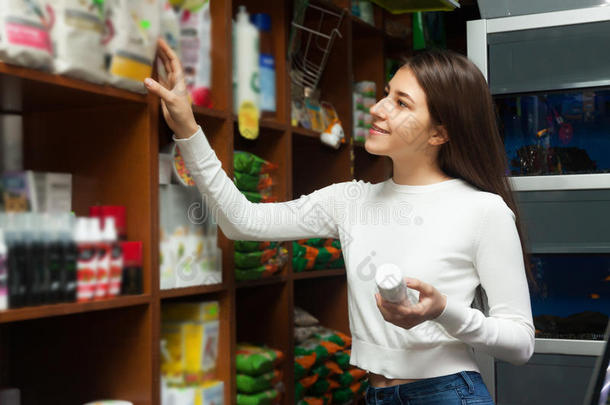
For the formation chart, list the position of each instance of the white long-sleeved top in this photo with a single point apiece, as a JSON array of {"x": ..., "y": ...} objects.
[{"x": 448, "y": 234}]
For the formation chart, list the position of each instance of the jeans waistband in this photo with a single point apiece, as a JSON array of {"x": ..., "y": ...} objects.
[{"x": 462, "y": 378}]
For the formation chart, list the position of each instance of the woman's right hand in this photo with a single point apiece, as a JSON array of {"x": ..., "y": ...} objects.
[{"x": 174, "y": 95}]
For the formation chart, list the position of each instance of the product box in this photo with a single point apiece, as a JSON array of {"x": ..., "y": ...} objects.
[
  {"x": 37, "y": 192},
  {"x": 190, "y": 311}
]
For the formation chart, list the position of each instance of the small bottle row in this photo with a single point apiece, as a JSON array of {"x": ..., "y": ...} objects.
[{"x": 54, "y": 258}]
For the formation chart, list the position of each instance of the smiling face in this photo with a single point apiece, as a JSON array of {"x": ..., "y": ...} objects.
[{"x": 402, "y": 126}]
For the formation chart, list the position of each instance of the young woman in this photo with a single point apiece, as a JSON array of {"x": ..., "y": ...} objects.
[{"x": 446, "y": 217}]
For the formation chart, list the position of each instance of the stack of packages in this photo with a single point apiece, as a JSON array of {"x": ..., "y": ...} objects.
[
  {"x": 259, "y": 377},
  {"x": 189, "y": 352},
  {"x": 255, "y": 260},
  {"x": 108, "y": 41},
  {"x": 364, "y": 99},
  {"x": 316, "y": 254},
  {"x": 322, "y": 371}
]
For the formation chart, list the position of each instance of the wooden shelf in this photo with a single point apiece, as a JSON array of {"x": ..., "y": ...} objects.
[
  {"x": 361, "y": 27},
  {"x": 268, "y": 123},
  {"x": 305, "y": 132},
  {"x": 318, "y": 274},
  {"x": 204, "y": 112},
  {"x": 45, "y": 311},
  {"x": 31, "y": 89},
  {"x": 195, "y": 290},
  {"x": 278, "y": 279}
]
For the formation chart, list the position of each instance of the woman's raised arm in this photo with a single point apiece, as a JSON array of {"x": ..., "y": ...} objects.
[{"x": 312, "y": 215}]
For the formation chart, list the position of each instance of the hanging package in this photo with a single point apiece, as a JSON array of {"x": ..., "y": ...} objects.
[
  {"x": 25, "y": 33},
  {"x": 77, "y": 37},
  {"x": 134, "y": 27}
]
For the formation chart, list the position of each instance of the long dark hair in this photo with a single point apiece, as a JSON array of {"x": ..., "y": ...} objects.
[{"x": 458, "y": 98}]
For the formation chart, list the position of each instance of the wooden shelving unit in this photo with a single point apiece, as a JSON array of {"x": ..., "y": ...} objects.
[{"x": 109, "y": 139}]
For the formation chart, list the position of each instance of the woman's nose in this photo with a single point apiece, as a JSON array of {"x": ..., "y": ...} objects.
[{"x": 380, "y": 109}]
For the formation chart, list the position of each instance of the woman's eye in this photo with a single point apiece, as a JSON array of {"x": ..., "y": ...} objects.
[{"x": 400, "y": 103}]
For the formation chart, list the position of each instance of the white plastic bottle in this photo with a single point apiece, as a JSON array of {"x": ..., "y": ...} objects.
[
  {"x": 246, "y": 51},
  {"x": 116, "y": 257},
  {"x": 391, "y": 283},
  {"x": 86, "y": 265},
  {"x": 102, "y": 268}
]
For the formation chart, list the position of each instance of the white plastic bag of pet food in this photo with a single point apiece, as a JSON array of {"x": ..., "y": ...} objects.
[
  {"x": 77, "y": 39},
  {"x": 195, "y": 44},
  {"x": 25, "y": 33},
  {"x": 135, "y": 26}
]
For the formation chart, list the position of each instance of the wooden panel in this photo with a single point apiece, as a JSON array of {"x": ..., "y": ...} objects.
[
  {"x": 46, "y": 311},
  {"x": 330, "y": 311},
  {"x": 220, "y": 12},
  {"x": 23, "y": 89},
  {"x": 84, "y": 357}
]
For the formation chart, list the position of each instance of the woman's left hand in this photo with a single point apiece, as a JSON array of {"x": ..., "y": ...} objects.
[{"x": 431, "y": 304}]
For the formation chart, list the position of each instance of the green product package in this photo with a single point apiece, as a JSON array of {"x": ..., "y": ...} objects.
[
  {"x": 323, "y": 349},
  {"x": 246, "y": 246},
  {"x": 247, "y": 384},
  {"x": 254, "y": 361},
  {"x": 249, "y": 182},
  {"x": 253, "y": 259},
  {"x": 262, "y": 398},
  {"x": 342, "y": 359},
  {"x": 249, "y": 163}
]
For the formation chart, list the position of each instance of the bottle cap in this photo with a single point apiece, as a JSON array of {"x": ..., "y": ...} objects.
[
  {"x": 262, "y": 21},
  {"x": 109, "y": 234},
  {"x": 242, "y": 14},
  {"x": 80, "y": 230},
  {"x": 118, "y": 213},
  {"x": 132, "y": 253},
  {"x": 94, "y": 229}
]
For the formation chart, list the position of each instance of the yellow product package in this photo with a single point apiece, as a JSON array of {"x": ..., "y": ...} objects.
[
  {"x": 134, "y": 27},
  {"x": 200, "y": 349},
  {"x": 171, "y": 358},
  {"x": 190, "y": 311},
  {"x": 211, "y": 392}
]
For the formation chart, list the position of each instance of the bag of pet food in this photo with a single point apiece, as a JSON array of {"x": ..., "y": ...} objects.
[
  {"x": 77, "y": 37},
  {"x": 270, "y": 267},
  {"x": 327, "y": 369},
  {"x": 195, "y": 45},
  {"x": 254, "y": 360},
  {"x": 249, "y": 163},
  {"x": 350, "y": 376},
  {"x": 342, "y": 359},
  {"x": 341, "y": 339},
  {"x": 313, "y": 401},
  {"x": 134, "y": 26},
  {"x": 264, "y": 196},
  {"x": 322, "y": 348},
  {"x": 249, "y": 385},
  {"x": 322, "y": 386},
  {"x": 253, "y": 259},
  {"x": 342, "y": 395},
  {"x": 256, "y": 273},
  {"x": 304, "y": 318},
  {"x": 253, "y": 246},
  {"x": 25, "y": 37},
  {"x": 301, "y": 386},
  {"x": 249, "y": 182},
  {"x": 302, "y": 364},
  {"x": 302, "y": 333},
  {"x": 262, "y": 398}
]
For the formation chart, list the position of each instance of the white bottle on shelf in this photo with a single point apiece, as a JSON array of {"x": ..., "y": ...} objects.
[{"x": 246, "y": 71}]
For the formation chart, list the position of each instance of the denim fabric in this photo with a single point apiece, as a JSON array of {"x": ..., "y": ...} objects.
[{"x": 463, "y": 388}]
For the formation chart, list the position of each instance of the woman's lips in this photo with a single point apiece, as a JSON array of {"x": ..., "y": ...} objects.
[{"x": 375, "y": 130}]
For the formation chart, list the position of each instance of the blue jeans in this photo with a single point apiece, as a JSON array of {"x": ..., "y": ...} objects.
[{"x": 463, "y": 388}]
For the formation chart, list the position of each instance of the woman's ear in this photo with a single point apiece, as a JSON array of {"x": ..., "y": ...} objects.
[{"x": 439, "y": 136}]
